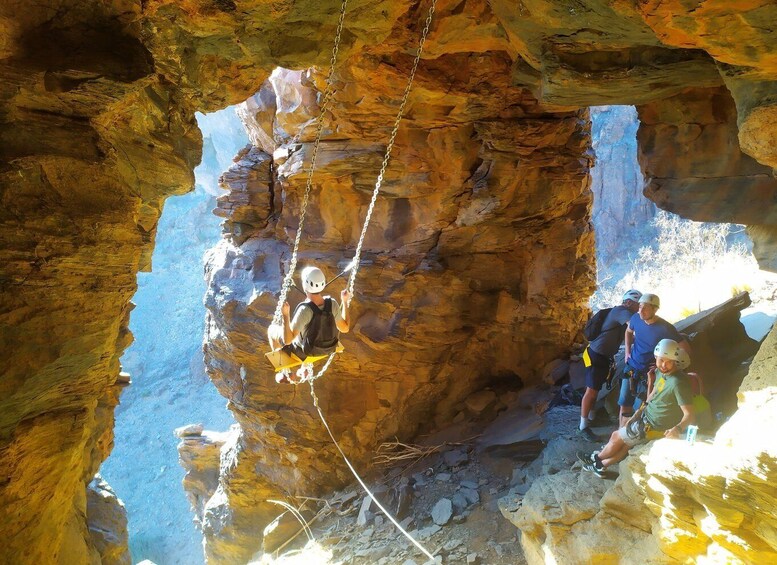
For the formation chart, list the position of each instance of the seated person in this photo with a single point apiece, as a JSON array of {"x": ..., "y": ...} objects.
[
  {"x": 702, "y": 411},
  {"x": 667, "y": 412},
  {"x": 317, "y": 323}
]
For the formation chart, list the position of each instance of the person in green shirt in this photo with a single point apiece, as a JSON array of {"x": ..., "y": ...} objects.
[{"x": 667, "y": 412}]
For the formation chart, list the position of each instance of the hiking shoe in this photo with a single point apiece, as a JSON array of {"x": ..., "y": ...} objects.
[
  {"x": 594, "y": 469},
  {"x": 587, "y": 434},
  {"x": 585, "y": 458}
]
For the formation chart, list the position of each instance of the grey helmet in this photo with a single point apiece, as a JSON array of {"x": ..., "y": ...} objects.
[{"x": 633, "y": 295}]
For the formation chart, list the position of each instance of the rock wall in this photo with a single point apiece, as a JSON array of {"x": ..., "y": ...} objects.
[
  {"x": 91, "y": 142},
  {"x": 617, "y": 184},
  {"x": 96, "y": 129},
  {"x": 689, "y": 151},
  {"x": 107, "y": 522},
  {"x": 169, "y": 384},
  {"x": 487, "y": 223}
]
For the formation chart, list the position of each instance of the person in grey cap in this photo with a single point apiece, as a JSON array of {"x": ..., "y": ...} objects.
[{"x": 599, "y": 354}]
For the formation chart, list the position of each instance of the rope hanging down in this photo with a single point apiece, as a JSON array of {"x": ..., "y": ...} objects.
[
  {"x": 361, "y": 482},
  {"x": 389, "y": 147},
  {"x": 328, "y": 91},
  {"x": 352, "y": 279}
]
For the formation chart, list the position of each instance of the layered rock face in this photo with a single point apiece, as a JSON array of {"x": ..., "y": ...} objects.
[
  {"x": 480, "y": 236},
  {"x": 91, "y": 142},
  {"x": 690, "y": 153},
  {"x": 107, "y": 521},
  {"x": 96, "y": 129}
]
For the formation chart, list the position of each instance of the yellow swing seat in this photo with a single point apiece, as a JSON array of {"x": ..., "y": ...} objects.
[{"x": 281, "y": 360}]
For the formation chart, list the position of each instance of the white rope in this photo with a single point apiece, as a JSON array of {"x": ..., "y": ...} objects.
[
  {"x": 328, "y": 91},
  {"x": 357, "y": 255},
  {"x": 296, "y": 513},
  {"x": 361, "y": 482},
  {"x": 389, "y": 147}
]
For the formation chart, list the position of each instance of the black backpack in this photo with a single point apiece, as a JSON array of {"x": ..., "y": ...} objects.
[
  {"x": 321, "y": 335},
  {"x": 593, "y": 327}
]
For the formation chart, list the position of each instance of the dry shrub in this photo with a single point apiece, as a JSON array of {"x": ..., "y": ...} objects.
[{"x": 691, "y": 266}]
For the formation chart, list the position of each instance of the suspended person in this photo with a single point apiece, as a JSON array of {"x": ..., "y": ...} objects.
[
  {"x": 315, "y": 327},
  {"x": 606, "y": 331},
  {"x": 644, "y": 331},
  {"x": 667, "y": 412}
]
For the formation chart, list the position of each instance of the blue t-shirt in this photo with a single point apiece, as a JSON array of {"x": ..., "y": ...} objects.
[{"x": 646, "y": 337}]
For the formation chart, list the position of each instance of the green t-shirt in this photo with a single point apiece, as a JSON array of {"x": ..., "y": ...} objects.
[{"x": 671, "y": 391}]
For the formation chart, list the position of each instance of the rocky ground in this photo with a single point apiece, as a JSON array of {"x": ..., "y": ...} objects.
[{"x": 449, "y": 490}]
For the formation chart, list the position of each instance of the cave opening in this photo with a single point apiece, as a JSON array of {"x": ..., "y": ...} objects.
[
  {"x": 169, "y": 386},
  {"x": 692, "y": 266}
]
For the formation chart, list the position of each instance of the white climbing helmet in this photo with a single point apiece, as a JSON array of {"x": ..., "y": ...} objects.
[
  {"x": 652, "y": 299},
  {"x": 669, "y": 349},
  {"x": 313, "y": 280},
  {"x": 633, "y": 295}
]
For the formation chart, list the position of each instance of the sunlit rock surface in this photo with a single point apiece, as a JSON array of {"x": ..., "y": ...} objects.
[
  {"x": 487, "y": 218},
  {"x": 107, "y": 521},
  {"x": 97, "y": 128},
  {"x": 200, "y": 453}
]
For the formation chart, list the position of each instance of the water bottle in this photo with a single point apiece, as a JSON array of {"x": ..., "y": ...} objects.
[{"x": 690, "y": 434}]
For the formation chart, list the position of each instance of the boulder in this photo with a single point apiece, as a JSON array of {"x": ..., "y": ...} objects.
[{"x": 442, "y": 512}]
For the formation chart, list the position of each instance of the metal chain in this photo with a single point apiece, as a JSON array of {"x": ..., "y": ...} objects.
[
  {"x": 390, "y": 146},
  {"x": 328, "y": 92}
]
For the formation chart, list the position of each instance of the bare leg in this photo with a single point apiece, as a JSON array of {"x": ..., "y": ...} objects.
[
  {"x": 617, "y": 456},
  {"x": 626, "y": 411},
  {"x": 275, "y": 336},
  {"x": 589, "y": 399},
  {"x": 613, "y": 446}
]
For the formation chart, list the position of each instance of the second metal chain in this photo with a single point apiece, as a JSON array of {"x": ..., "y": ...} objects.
[{"x": 389, "y": 147}]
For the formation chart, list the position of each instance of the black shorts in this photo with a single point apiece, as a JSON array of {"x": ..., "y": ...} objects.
[
  {"x": 294, "y": 349},
  {"x": 596, "y": 374}
]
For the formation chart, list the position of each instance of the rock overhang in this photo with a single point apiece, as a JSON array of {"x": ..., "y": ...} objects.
[{"x": 109, "y": 123}]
